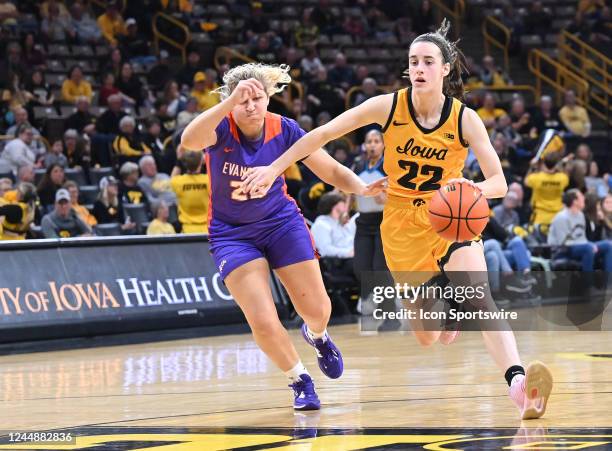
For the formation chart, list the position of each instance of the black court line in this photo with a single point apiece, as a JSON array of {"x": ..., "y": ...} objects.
[
  {"x": 288, "y": 406},
  {"x": 346, "y": 387}
]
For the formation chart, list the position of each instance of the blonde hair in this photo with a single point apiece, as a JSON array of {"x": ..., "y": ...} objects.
[{"x": 273, "y": 78}]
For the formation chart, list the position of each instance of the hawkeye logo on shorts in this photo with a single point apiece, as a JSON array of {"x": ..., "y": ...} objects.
[
  {"x": 418, "y": 202},
  {"x": 424, "y": 152}
]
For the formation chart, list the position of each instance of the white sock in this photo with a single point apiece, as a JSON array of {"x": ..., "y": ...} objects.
[
  {"x": 517, "y": 379},
  {"x": 314, "y": 335},
  {"x": 294, "y": 373}
]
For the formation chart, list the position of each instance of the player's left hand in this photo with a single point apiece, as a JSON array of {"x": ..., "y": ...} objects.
[
  {"x": 257, "y": 181},
  {"x": 375, "y": 188}
]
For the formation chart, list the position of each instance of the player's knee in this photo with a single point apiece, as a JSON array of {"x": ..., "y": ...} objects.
[
  {"x": 263, "y": 326},
  {"x": 320, "y": 311},
  {"x": 426, "y": 339}
]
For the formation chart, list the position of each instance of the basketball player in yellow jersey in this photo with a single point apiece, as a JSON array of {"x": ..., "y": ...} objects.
[{"x": 426, "y": 134}]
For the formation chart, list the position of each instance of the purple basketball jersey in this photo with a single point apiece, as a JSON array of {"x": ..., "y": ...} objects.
[{"x": 232, "y": 155}]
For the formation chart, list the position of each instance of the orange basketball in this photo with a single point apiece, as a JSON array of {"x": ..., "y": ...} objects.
[{"x": 458, "y": 212}]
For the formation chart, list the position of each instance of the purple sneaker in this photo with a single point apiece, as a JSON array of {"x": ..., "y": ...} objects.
[
  {"x": 328, "y": 355},
  {"x": 305, "y": 397}
]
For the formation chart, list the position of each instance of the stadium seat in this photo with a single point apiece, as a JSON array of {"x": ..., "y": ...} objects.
[
  {"x": 137, "y": 214},
  {"x": 112, "y": 229},
  {"x": 76, "y": 175},
  {"x": 96, "y": 174},
  {"x": 88, "y": 194}
]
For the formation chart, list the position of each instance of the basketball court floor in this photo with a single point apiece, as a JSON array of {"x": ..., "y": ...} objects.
[{"x": 221, "y": 392}]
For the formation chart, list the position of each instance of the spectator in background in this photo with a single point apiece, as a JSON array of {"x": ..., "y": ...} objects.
[
  {"x": 115, "y": 63},
  {"x": 262, "y": 50},
  {"x": 537, "y": 20},
  {"x": 310, "y": 64},
  {"x": 322, "y": 96},
  {"x": 128, "y": 145},
  {"x": 574, "y": 117},
  {"x": 188, "y": 114},
  {"x": 37, "y": 92},
  {"x": 21, "y": 118},
  {"x": 111, "y": 24},
  {"x": 82, "y": 212},
  {"x": 161, "y": 73},
  {"x": 75, "y": 86},
  {"x": 45, "y": 9},
  {"x": 56, "y": 27},
  {"x": 188, "y": 71},
  {"x": 135, "y": 45},
  {"x": 341, "y": 74},
  {"x": 6, "y": 185},
  {"x": 355, "y": 25},
  {"x": 129, "y": 86},
  {"x": 491, "y": 75},
  {"x": 129, "y": 191},
  {"x": 568, "y": 229},
  {"x": 489, "y": 113},
  {"x": 55, "y": 155},
  {"x": 506, "y": 214},
  {"x": 156, "y": 185},
  {"x": 306, "y": 33},
  {"x": 522, "y": 208},
  {"x": 81, "y": 120},
  {"x": 203, "y": 91},
  {"x": 297, "y": 108},
  {"x": 369, "y": 89},
  {"x": 108, "y": 122},
  {"x": 108, "y": 208},
  {"x": 53, "y": 180},
  {"x": 107, "y": 89},
  {"x": 522, "y": 121},
  {"x": 63, "y": 221},
  {"x": 601, "y": 34},
  {"x": 18, "y": 151},
  {"x": 16, "y": 228},
  {"x": 547, "y": 116},
  {"x": 596, "y": 229},
  {"x": 153, "y": 139},
  {"x": 76, "y": 150},
  {"x": 583, "y": 153},
  {"x": 33, "y": 52},
  {"x": 423, "y": 18},
  {"x": 255, "y": 23},
  {"x": 86, "y": 28},
  {"x": 160, "y": 225},
  {"x": 323, "y": 118},
  {"x": 305, "y": 122},
  {"x": 176, "y": 101},
  {"x": 606, "y": 208},
  {"x": 547, "y": 184},
  {"x": 192, "y": 192},
  {"x": 334, "y": 230},
  {"x": 8, "y": 13}
]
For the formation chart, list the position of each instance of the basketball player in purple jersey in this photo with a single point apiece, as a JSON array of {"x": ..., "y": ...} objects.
[{"x": 248, "y": 235}]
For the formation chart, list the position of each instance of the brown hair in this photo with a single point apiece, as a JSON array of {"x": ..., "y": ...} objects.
[
  {"x": 453, "y": 83},
  {"x": 192, "y": 160}
]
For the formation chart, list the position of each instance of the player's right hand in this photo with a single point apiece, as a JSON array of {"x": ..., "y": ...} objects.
[{"x": 245, "y": 90}]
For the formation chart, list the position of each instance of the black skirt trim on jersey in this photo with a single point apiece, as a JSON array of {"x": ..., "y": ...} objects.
[
  {"x": 453, "y": 247},
  {"x": 390, "y": 118},
  {"x": 463, "y": 142},
  {"x": 446, "y": 111}
]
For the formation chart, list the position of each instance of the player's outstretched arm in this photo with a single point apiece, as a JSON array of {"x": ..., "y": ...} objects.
[
  {"x": 375, "y": 110},
  {"x": 200, "y": 133},
  {"x": 476, "y": 135},
  {"x": 335, "y": 174}
]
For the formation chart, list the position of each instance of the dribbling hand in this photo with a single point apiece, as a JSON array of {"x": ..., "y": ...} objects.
[{"x": 257, "y": 181}]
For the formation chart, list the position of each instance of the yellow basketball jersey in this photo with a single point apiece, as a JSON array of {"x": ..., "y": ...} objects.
[{"x": 419, "y": 161}]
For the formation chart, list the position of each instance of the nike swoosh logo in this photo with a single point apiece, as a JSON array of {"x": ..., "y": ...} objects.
[{"x": 399, "y": 123}]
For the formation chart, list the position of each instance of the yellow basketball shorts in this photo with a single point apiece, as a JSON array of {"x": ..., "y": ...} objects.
[{"x": 409, "y": 242}]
